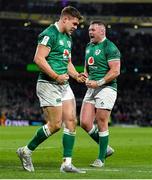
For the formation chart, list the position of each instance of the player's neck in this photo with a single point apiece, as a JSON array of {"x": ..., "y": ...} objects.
[
  {"x": 59, "y": 25},
  {"x": 102, "y": 39}
]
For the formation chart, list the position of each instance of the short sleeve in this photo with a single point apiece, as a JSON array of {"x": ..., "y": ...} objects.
[
  {"x": 46, "y": 40},
  {"x": 113, "y": 53}
]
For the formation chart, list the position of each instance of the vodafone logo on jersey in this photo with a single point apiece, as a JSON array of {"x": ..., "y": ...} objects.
[{"x": 90, "y": 60}]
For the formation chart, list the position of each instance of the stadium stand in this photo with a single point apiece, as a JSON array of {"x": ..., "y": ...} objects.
[{"x": 94, "y": 8}]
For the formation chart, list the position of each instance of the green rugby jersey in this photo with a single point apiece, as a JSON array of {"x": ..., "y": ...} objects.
[
  {"x": 60, "y": 54},
  {"x": 97, "y": 57}
]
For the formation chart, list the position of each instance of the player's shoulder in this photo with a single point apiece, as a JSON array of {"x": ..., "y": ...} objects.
[
  {"x": 49, "y": 31},
  {"x": 109, "y": 44},
  {"x": 89, "y": 45}
]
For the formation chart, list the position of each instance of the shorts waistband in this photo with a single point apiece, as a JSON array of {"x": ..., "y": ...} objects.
[{"x": 53, "y": 82}]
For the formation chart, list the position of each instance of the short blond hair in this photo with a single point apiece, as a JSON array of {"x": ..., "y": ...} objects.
[
  {"x": 72, "y": 11},
  {"x": 99, "y": 22}
]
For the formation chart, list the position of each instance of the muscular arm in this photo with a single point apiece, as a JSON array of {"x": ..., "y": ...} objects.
[
  {"x": 72, "y": 71},
  {"x": 74, "y": 74},
  {"x": 111, "y": 75},
  {"x": 40, "y": 59},
  {"x": 113, "y": 72},
  {"x": 85, "y": 70}
]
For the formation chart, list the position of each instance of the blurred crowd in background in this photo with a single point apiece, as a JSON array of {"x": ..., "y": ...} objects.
[
  {"x": 18, "y": 44},
  {"x": 93, "y": 8},
  {"x": 17, "y": 47}
]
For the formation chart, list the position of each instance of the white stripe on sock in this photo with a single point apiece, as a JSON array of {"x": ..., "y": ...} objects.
[
  {"x": 105, "y": 133},
  {"x": 44, "y": 131},
  {"x": 92, "y": 130},
  {"x": 47, "y": 130},
  {"x": 68, "y": 132}
]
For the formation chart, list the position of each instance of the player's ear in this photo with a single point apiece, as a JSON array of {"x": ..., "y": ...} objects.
[
  {"x": 102, "y": 31},
  {"x": 65, "y": 18}
]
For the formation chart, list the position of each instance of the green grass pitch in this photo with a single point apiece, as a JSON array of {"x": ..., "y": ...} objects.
[{"x": 132, "y": 158}]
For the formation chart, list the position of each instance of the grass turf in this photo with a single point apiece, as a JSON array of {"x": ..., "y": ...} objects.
[{"x": 132, "y": 158}]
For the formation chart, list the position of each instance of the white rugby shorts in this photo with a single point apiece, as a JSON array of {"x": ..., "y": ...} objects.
[
  {"x": 52, "y": 94},
  {"x": 102, "y": 97}
]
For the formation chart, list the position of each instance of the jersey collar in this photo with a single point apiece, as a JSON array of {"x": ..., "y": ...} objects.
[
  {"x": 102, "y": 40},
  {"x": 56, "y": 25}
]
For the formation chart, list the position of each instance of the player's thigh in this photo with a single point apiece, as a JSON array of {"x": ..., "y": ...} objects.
[
  {"x": 68, "y": 105},
  {"x": 53, "y": 116},
  {"x": 104, "y": 102},
  {"x": 102, "y": 118},
  {"x": 69, "y": 114},
  {"x": 87, "y": 115},
  {"x": 50, "y": 100}
]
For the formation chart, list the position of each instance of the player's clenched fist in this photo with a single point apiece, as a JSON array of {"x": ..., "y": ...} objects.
[
  {"x": 81, "y": 77},
  {"x": 61, "y": 79}
]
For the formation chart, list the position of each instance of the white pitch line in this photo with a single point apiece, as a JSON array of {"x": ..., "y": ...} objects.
[
  {"x": 4, "y": 148},
  {"x": 99, "y": 169},
  {"x": 86, "y": 169},
  {"x": 115, "y": 170},
  {"x": 37, "y": 168}
]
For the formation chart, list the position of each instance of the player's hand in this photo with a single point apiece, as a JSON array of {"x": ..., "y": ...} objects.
[
  {"x": 91, "y": 84},
  {"x": 81, "y": 78},
  {"x": 61, "y": 79}
]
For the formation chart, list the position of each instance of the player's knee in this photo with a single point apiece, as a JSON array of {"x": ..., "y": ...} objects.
[
  {"x": 72, "y": 120},
  {"x": 71, "y": 124},
  {"x": 84, "y": 125},
  {"x": 54, "y": 127},
  {"x": 102, "y": 123},
  {"x": 75, "y": 122},
  {"x": 102, "y": 120}
]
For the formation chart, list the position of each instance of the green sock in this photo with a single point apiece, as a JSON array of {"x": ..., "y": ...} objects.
[
  {"x": 68, "y": 142},
  {"x": 103, "y": 143},
  {"x": 94, "y": 134},
  {"x": 42, "y": 134}
]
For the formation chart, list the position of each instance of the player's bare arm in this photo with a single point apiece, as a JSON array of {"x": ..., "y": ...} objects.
[
  {"x": 85, "y": 71},
  {"x": 114, "y": 70},
  {"x": 111, "y": 75},
  {"x": 80, "y": 77},
  {"x": 40, "y": 59}
]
